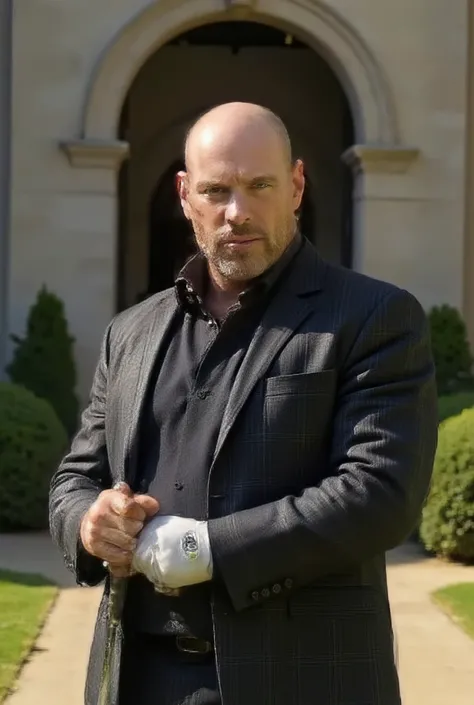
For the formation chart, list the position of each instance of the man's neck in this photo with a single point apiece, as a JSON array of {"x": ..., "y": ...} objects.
[{"x": 220, "y": 296}]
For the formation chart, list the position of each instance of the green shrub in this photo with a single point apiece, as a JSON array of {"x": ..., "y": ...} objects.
[
  {"x": 452, "y": 356},
  {"x": 452, "y": 404},
  {"x": 447, "y": 526},
  {"x": 449, "y": 405},
  {"x": 43, "y": 361},
  {"x": 32, "y": 441}
]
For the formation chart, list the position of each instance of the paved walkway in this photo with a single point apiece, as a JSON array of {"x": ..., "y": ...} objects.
[
  {"x": 436, "y": 658},
  {"x": 55, "y": 673}
]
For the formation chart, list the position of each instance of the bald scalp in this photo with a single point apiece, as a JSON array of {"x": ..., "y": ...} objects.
[{"x": 246, "y": 112}]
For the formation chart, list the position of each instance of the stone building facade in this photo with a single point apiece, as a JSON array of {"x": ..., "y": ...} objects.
[{"x": 96, "y": 98}]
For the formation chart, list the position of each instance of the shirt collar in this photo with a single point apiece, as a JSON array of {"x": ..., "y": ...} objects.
[{"x": 192, "y": 280}]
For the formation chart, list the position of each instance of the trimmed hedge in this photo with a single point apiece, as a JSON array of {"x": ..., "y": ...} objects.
[
  {"x": 32, "y": 442},
  {"x": 447, "y": 526}
]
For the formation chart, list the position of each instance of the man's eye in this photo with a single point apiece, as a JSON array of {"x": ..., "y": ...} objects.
[
  {"x": 214, "y": 190},
  {"x": 260, "y": 185}
]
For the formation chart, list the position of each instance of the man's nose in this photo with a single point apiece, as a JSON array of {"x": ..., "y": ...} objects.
[{"x": 237, "y": 210}]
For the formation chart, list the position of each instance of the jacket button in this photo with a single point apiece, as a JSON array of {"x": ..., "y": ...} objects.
[
  {"x": 288, "y": 583},
  {"x": 265, "y": 592},
  {"x": 276, "y": 589},
  {"x": 255, "y": 596},
  {"x": 203, "y": 394}
]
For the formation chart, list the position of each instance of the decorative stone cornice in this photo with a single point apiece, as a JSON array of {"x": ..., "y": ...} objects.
[
  {"x": 380, "y": 159},
  {"x": 250, "y": 4},
  {"x": 240, "y": 9},
  {"x": 95, "y": 154}
]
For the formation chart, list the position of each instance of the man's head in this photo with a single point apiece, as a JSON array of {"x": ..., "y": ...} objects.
[{"x": 240, "y": 189}]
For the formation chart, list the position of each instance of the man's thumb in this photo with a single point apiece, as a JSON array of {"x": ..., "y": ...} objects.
[
  {"x": 123, "y": 488},
  {"x": 149, "y": 504}
]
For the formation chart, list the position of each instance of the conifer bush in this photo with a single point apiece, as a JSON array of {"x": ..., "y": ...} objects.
[{"x": 43, "y": 360}]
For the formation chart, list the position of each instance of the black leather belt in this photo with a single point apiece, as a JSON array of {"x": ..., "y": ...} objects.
[{"x": 191, "y": 645}]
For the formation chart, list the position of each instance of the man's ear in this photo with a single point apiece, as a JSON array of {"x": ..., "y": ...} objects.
[
  {"x": 298, "y": 184},
  {"x": 182, "y": 182}
]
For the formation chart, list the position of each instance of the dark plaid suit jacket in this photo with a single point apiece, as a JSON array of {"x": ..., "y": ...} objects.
[{"x": 323, "y": 462}]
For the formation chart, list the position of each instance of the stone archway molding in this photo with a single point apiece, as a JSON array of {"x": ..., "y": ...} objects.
[
  {"x": 380, "y": 159},
  {"x": 324, "y": 29}
]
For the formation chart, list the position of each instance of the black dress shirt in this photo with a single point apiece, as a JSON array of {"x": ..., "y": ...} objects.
[{"x": 183, "y": 412}]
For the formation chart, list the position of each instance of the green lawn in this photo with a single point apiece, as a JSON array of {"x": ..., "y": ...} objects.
[
  {"x": 24, "y": 604},
  {"x": 458, "y": 602}
]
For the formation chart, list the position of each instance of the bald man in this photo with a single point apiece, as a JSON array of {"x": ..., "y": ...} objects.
[{"x": 273, "y": 418}]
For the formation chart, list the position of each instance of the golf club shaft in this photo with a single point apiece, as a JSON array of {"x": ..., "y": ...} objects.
[{"x": 118, "y": 588}]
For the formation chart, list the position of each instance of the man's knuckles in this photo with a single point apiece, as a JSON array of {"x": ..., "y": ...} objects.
[
  {"x": 110, "y": 526},
  {"x": 114, "y": 556},
  {"x": 110, "y": 552},
  {"x": 137, "y": 507},
  {"x": 132, "y": 527},
  {"x": 149, "y": 504},
  {"x": 92, "y": 536},
  {"x": 117, "y": 538},
  {"x": 129, "y": 508}
]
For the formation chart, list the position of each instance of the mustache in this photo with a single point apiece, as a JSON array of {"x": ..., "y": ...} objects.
[{"x": 244, "y": 230}]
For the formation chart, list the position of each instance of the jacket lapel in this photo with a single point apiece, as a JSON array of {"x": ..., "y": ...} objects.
[
  {"x": 138, "y": 376},
  {"x": 287, "y": 310}
]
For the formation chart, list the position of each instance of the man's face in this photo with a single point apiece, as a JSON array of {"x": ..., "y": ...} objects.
[{"x": 240, "y": 196}]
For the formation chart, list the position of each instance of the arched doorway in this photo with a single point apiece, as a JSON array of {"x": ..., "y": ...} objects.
[
  {"x": 108, "y": 124},
  {"x": 216, "y": 63}
]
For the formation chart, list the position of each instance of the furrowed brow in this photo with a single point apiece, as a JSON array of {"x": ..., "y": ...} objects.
[
  {"x": 203, "y": 185},
  {"x": 267, "y": 178}
]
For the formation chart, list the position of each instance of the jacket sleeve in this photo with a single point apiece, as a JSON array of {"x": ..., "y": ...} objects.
[
  {"x": 380, "y": 462},
  {"x": 83, "y": 473}
]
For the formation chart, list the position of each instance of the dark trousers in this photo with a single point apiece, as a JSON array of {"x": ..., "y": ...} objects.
[{"x": 154, "y": 672}]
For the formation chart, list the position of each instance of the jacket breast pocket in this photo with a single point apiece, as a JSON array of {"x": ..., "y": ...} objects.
[
  {"x": 297, "y": 417},
  {"x": 308, "y": 383}
]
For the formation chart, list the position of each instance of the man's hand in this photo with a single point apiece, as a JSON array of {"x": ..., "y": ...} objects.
[
  {"x": 109, "y": 527},
  {"x": 173, "y": 552}
]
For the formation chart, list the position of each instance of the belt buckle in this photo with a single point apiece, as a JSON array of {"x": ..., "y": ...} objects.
[{"x": 191, "y": 645}]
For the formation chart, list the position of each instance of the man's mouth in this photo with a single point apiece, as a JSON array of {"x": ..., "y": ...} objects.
[{"x": 241, "y": 241}]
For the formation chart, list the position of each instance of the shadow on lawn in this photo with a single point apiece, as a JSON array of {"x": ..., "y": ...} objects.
[{"x": 27, "y": 579}]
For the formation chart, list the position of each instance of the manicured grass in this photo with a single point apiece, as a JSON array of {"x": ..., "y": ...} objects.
[
  {"x": 458, "y": 602},
  {"x": 24, "y": 604}
]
